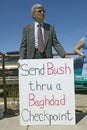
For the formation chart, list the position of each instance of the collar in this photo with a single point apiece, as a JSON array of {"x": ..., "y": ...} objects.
[{"x": 36, "y": 24}]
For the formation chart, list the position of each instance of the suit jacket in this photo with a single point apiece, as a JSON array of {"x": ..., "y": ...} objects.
[{"x": 27, "y": 47}]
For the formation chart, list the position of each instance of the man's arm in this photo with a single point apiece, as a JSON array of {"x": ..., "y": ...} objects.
[{"x": 23, "y": 46}]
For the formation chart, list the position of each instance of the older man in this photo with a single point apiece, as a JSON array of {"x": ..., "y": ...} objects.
[{"x": 39, "y": 38}]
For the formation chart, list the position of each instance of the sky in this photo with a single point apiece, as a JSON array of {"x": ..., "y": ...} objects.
[{"x": 69, "y": 17}]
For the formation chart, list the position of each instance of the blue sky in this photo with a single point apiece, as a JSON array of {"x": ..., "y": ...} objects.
[{"x": 69, "y": 17}]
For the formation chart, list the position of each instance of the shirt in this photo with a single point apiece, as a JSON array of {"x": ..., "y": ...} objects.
[{"x": 36, "y": 33}]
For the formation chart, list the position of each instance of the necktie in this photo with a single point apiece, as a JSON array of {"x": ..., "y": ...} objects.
[{"x": 40, "y": 39}]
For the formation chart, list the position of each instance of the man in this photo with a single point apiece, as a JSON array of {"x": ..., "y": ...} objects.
[{"x": 29, "y": 48}]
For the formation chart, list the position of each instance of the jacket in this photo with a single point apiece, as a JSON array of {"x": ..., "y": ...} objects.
[{"x": 27, "y": 47}]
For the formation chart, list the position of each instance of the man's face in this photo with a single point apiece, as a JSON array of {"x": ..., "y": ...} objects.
[{"x": 39, "y": 15}]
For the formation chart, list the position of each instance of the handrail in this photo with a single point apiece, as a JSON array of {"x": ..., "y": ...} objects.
[{"x": 54, "y": 54}]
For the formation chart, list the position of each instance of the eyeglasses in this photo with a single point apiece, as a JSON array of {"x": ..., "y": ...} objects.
[{"x": 40, "y": 11}]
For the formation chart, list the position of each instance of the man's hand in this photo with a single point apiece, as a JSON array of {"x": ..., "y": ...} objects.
[
  {"x": 67, "y": 56},
  {"x": 18, "y": 64}
]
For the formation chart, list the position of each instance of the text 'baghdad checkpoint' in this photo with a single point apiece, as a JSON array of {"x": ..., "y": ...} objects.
[{"x": 44, "y": 92}]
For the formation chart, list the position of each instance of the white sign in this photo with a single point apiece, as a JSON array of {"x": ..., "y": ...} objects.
[{"x": 46, "y": 92}]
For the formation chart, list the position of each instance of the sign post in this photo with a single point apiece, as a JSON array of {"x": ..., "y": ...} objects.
[{"x": 46, "y": 92}]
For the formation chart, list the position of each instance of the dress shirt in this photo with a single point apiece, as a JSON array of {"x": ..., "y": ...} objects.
[{"x": 36, "y": 33}]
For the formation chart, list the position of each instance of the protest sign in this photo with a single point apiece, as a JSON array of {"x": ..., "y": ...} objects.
[{"x": 46, "y": 92}]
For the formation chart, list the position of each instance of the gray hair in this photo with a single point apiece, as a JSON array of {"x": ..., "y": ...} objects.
[{"x": 34, "y": 7}]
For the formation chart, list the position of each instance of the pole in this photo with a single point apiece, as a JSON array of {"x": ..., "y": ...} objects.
[{"x": 4, "y": 84}]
